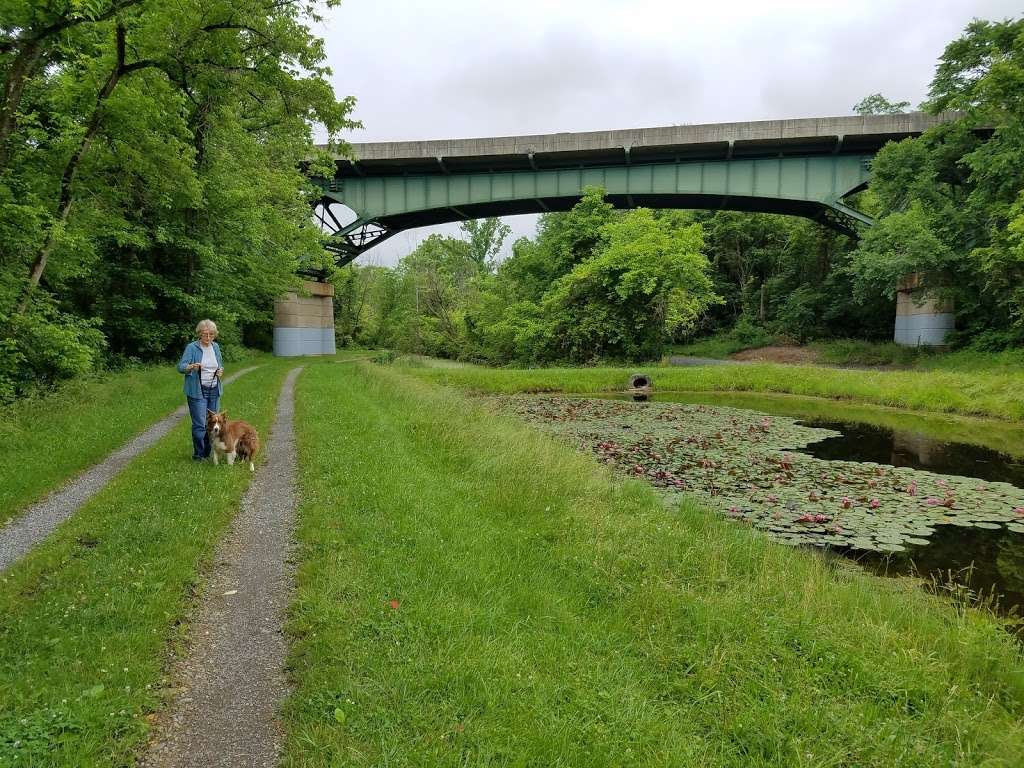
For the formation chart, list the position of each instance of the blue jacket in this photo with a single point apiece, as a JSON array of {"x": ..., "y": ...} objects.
[{"x": 194, "y": 354}]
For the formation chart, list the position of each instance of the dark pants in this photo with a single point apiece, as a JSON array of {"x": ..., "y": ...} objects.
[{"x": 197, "y": 407}]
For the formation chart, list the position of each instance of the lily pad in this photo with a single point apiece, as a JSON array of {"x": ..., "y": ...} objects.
[{"x": 744, "y": 464}]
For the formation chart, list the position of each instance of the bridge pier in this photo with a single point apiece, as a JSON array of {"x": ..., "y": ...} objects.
[
  {"x": 304, "y": 325},
  {"x": 921, "y": 320}
]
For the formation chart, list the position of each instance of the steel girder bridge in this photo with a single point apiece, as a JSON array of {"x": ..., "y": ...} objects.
[{"x": 800, "y": 167}]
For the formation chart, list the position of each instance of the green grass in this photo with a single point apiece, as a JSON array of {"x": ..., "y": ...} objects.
[
  {"x": 993, "y": 393},
  {"x": 721, "y": 345},
  {"x": 46, "y": 440},
  {"x": 87, "y": 618},
  {"x": 547, "y": 614},
  {"x": 857, "y": 352}
]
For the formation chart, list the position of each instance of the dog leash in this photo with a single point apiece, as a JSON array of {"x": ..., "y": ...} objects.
[{"x": 208, "y": 390}]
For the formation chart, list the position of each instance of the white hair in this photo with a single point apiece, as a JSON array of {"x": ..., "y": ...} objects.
[{"x": 206, "y": 325}]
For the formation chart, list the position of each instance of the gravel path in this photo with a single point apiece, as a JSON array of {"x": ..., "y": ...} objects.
[
  {"x": 230, "y": 684},
  {"x": 21, "y": 534}
]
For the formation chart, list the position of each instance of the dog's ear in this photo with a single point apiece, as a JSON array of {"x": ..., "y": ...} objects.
[
  {"x": 224, "y": 414},
  {"x": 209, "y": 413}
]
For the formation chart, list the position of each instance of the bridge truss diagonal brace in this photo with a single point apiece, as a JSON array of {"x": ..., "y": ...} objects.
[
  {"x": 842, "y": 218},
  {"x": 853, "y": 213},
  {"x": 350, "y": 242}
]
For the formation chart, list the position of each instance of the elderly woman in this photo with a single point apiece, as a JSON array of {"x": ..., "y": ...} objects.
[{"x": 203, "y": 368}]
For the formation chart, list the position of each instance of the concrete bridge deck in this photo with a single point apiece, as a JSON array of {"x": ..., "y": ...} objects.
[{"x": 864, "y": 134}]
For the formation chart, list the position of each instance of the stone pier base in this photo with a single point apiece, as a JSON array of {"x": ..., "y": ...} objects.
[
  {"x": 304, "y": 325},
  {"x": 921, "y": 321}
]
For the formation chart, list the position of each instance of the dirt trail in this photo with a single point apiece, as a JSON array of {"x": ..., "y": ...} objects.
[
  {"x": 24, "y": 532},
  {"x": 778, "y": 354},
  {"x": 229, "y": 686}
]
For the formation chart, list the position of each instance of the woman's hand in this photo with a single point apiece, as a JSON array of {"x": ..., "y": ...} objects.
[
  {"x": 220, "y": 372},
  {"x": 194, "y": 366}
]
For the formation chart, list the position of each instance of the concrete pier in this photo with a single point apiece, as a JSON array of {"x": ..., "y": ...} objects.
[
  {"x": 921, "y": 320},
  {"x": 304, "y": 325}
]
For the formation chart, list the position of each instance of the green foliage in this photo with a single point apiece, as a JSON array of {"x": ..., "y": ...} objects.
[
  {"x": 171, "y": 194},
  {"x": 899, "y": 245},
  {"x": 877, "y": 104},
  {"x": 645, "y": 284},
  {"x": 951, "y": 202},
  {"x": 593, "y": 283},
  {"x": 485, "y": 237},
  {"x": 799, "y": 316}
]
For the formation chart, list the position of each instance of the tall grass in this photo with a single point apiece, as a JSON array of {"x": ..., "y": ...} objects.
[{"x": 472, "y": 593}]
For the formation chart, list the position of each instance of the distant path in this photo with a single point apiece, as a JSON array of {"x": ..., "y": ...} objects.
[
  {"x": 24, "y": 532},
  {"x": 232, "y": 681},
  {"x": 685, "y": 360}
]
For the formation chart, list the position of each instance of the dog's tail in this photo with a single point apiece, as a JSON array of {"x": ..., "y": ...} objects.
[{"x": 248, "y": 447}]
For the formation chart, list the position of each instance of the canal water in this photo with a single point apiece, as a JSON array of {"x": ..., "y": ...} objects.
[{"x": 972, "y": 562}]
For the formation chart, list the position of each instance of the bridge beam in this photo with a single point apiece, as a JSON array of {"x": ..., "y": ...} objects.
[{"x": 809, "y": 186}]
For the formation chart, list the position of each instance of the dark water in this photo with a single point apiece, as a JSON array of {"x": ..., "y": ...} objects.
[
  {"x": 915, "y": 449},
  {"x": 972, "y": 563}
]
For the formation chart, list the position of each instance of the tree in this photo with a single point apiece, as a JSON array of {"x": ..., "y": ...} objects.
[
  {"x": 153, "y": 168},
  {"x": 956, "y": 197},
  {"x": 486, "y": 237},
  {"x": 877, "y": 104},
  {"x": 645, "y": 283}
]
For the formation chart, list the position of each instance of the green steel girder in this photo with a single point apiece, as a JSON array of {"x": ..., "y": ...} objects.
[{"x": 811, "y": 186}]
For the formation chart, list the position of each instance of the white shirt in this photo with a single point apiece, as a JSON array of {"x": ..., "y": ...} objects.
[{"x": 209, "y": 365}]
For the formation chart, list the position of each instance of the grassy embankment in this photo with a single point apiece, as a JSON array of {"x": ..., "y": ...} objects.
[
  {"x": 86, "y": 619},
  {"x": 992, "y": 393},
  {"x": 546, "y": 613},
  {"x": 856, "y": 352},
  {"x": 46, "y": 440}
]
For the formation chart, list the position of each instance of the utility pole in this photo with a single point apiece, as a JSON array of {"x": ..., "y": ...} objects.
[{"x": 419, "y": 348}]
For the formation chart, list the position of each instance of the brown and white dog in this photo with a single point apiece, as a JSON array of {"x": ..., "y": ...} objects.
[{"x": 235, "y": 439}]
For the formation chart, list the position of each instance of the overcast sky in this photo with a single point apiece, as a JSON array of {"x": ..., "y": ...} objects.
[{"x": 459, "y": 68}]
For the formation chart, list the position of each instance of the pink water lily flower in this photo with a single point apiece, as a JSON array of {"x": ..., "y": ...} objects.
[
  {"x": 875, "y": 503},
  {"x": 931, "y": 501},
  {"x": 847, "y": 503}
]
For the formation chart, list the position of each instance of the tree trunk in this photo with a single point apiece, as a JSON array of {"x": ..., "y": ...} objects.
[
  {"x": 29, "y": 53},
  {"x": 70, "y": 171},
  {"x": 22, "y": 68}
]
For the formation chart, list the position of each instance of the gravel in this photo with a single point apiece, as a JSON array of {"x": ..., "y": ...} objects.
[
  {"x": 21, "y": 534},
  {"x": 228, "y": 688}
]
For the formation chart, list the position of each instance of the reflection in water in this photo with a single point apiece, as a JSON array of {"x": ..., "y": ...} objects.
[
  {"x": 990, "y": 563},
  {"x": 905, "y": 448}
]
